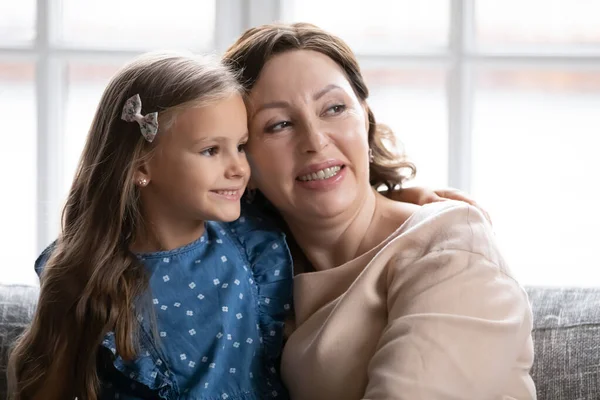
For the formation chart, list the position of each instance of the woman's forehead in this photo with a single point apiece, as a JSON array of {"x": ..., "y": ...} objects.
[{"x": 297, "y": 71}]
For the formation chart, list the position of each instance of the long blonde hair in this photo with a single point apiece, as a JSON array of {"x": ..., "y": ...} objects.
[{"x": 92, "y": 280}]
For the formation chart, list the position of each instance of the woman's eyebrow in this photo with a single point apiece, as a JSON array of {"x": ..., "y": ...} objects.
[
  {"x": 274, "y": 104},
  {"x": 324, "y": 91},
  {"x": 285, "y": 104}
]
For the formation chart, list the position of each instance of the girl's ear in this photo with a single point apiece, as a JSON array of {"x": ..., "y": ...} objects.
[{"x": 142, "y": 175}]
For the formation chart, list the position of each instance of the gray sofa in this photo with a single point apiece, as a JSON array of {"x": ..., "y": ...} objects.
[{"x": 566, "y": 338}]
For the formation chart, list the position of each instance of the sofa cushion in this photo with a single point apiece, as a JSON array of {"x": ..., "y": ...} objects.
[
  {"x": 17, "y": 304},
  {"x": 566, "y": 337}
]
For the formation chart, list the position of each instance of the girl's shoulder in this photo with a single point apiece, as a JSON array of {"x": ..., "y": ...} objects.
[
  {"x": 42, "y": 259},
  {"x": 259, "y": 225}
]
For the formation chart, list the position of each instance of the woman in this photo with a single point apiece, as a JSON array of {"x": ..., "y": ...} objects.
[{"x": 403, "y": 302}]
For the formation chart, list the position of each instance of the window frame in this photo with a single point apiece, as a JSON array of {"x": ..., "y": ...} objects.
[
  {"x": 50, "y": 58},
  {"x": 461, "y": 60}
]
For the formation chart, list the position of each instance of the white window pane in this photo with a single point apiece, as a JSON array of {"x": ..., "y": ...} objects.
[
  {"x": 139, "y": 24},
  {"x": 541, "y": 22},
  {"x": 377, "y": 26},
  {"x": 85, "y": 84},
  {"x": 18, "y": 173},
  {"x": 535, "y": 168},
  {"x": 17, "y": 22},
  {"x": 413, "y": 104}
]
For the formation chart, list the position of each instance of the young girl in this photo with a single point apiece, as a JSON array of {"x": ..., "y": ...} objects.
[{"x": 184, "y": 307}]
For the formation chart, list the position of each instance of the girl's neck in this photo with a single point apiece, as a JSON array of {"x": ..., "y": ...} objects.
[{"x": 158, "y": 234}]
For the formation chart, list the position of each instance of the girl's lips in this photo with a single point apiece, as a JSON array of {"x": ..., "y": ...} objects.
[{"x": 233, "y": 195}]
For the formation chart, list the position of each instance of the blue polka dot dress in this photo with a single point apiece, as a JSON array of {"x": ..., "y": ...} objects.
[{"x": 219, "y": 306}]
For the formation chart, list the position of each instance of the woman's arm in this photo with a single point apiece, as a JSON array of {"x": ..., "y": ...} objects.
[
  {"x": 422, "y": 195},
  {"x": 459, "y": 326}
]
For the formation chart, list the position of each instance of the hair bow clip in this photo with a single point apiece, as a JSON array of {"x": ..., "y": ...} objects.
[{"x": 132, "y": 111}]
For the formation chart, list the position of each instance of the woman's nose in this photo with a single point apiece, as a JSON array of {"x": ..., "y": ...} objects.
[{"x": 314, "y": 139}]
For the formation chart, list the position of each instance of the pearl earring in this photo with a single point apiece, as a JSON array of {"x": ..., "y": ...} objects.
[
  {"x": 371, "y": 157},
  {"x": 143, "y": 182}
]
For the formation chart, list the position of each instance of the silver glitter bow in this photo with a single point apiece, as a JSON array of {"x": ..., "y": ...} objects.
[{"x": 132, "y": 111}]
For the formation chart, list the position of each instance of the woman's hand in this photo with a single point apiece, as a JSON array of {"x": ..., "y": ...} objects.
[{"x": 422, "y": 195}]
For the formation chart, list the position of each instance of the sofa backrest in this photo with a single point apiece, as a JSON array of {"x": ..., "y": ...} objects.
[
  {"x": 566, "y": 337},
  {"x": 17, "y": 304}
]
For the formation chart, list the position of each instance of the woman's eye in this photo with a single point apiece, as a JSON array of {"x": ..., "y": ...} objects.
[
  {"x": 336, "y": 109},
  {"x": 278, "y": 126},
  {"x": 211, "y": 151}
]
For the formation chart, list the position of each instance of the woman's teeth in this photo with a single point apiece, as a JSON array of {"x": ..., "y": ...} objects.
[{"x": 320, "y": 175}]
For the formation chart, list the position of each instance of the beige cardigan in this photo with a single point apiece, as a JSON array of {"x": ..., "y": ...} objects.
[{"x": 431, "y": 313}]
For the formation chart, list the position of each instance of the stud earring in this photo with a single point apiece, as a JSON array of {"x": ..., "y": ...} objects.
[
  {"x": 371, "y": 157},
  {"x": 143, "y": 182}
]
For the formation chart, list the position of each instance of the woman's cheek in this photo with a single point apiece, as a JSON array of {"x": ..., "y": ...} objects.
[
  {"x": 350, "y": 131},
  {"x": 264, "y": 160}
]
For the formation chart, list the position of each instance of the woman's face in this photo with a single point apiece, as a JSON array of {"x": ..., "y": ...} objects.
[{"x": 308, "y": 145}]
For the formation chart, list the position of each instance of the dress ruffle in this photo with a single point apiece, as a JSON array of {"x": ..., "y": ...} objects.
[
  {"x": 147, "y": 368},
  {"x": 271, "y": 265}
]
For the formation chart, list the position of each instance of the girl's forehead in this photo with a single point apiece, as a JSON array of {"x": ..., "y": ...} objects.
[{"x": 222, "y": 119}]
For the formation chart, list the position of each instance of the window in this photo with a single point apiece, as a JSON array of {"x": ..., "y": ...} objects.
[
  {"x": 18, "y": 164},
  {"x": 413, "y": 100},
  {"x": 17, "y": 23},
  {"x": 500, "y": 99},
  {"x": 378, "y": 27},
  {"x": 138, "y": 24},
  {"x": 535, "y": 140},
  {"x": 55, "y": 60}
]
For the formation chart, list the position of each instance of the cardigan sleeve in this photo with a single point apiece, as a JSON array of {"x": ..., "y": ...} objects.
[{"x": 458, "y": 323}]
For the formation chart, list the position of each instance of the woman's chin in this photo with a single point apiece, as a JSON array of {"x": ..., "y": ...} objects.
[{"x": 323, "y": 208}]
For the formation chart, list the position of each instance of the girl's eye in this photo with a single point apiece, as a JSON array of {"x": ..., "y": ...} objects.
[
  {"x": 336, "y": 109},
  {"x": 211, "y": 151},
  {"x": 278, "y": 126},
  {"x": 242, "y": 148}
]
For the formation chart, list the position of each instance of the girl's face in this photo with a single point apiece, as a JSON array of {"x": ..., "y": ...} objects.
[{"x": 199, "y": 169}]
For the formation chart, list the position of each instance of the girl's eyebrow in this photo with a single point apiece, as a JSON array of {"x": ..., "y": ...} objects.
[{"x": 244, "y": 136}]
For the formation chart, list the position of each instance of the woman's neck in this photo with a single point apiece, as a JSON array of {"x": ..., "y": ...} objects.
[{"x": 330, "y": 242}]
